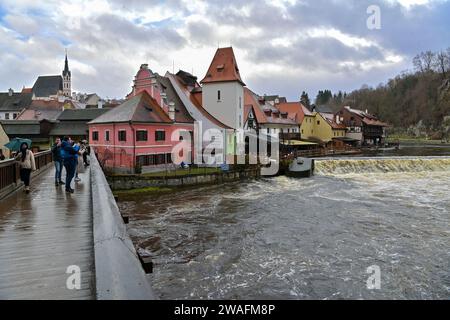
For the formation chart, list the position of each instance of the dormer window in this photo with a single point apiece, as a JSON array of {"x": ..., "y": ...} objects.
[{"x": 220, "y": 67}]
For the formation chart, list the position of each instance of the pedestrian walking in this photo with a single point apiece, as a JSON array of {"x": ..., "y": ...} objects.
[
  {"x": 27, "y": 164},
  {"x": 58, "y": 161},
  {"x": 68, "y": 154},
  {"x": 86, "y": 153}
]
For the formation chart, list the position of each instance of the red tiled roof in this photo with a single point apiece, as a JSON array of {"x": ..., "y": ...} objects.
[
  {"x": 252, "y": 99},
  {"x": 367, "y": 118},
  {"x": 196, "y": 98},
  {"x": 140, "y": 108},
  {"x": 374, "y": 122},
  {"x": 296, "y": 108},
  {"x": 223, "y": 67},
  {"x": 27, "y": 90},
  {"x": 329, "y": 117},
  {"x": 293, "y": 109},
  {"x": 46, "y": 104},
  {"x": 48, "y": 114}
]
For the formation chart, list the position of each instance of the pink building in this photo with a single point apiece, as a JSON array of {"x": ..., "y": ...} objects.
[{"x": 138, "y": 133}]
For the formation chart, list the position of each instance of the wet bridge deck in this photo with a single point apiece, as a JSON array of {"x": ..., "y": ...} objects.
[{"x": 43, "y": 233}]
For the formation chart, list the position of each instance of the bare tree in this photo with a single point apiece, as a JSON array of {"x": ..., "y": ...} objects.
[
  {"x": 418, "y": 65},
  {"x": 428, "y": 60},
  {"x": 441, "y": 63}
]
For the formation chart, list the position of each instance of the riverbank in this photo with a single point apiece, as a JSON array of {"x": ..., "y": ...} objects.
[
  {"x": 136, "y": 184},
  {"x": 417, "y": 141}
]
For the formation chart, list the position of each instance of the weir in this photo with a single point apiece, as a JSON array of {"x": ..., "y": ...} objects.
[{"x": 325, "y": 167}]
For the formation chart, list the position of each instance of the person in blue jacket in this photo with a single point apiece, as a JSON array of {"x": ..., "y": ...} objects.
[{"x": 69, "y": 155}]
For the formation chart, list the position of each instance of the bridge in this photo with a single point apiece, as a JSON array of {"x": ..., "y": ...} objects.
[{"x": 55, "y": 245}]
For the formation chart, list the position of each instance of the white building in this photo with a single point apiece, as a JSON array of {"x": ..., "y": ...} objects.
[{"x": 223, "y": 89}]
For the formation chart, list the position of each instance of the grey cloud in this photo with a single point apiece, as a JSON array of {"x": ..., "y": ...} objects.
[
  {"x": 323, "y": 54},
  {"x": 111, "y": 44}
]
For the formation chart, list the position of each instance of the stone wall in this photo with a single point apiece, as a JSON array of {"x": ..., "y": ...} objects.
[{"x": 129, "y": 182}]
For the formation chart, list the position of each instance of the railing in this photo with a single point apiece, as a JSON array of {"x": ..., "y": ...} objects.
[
  {"x": 322, "y": 152},
  {"x": 118, "y": 272},
  {"x": 10, "y": 172}
]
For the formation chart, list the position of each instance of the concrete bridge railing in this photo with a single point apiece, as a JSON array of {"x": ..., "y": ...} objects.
[{"x": 119, "y": 273}]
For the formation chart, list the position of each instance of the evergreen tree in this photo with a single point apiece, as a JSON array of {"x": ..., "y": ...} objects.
[
  {"x": 304, "y": 99},
  {"x": 323, "y": 97}
]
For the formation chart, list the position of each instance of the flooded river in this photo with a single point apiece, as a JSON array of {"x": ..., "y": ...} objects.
[{"x": 283, "y": 238}]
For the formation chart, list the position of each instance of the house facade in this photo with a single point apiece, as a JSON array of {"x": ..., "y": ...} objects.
[
  {"x": 136, "y": 134},
  {"x": 12, "y": 104},
  {"x": 36, "y": 130},
  {"x": 362, "y": 127},
  {"x": 319, "y": 127},
  {"x": 190, "y": 93},
  {"x": 270, "y": 119},
  {"x": 140, "y": 134}
]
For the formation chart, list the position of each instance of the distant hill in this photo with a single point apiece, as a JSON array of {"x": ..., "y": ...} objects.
[
  {"x": 413, "y": 101},
  {"x": 405, "y": 101}
]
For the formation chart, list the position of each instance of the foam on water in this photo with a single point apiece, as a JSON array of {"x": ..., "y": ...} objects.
[
  {"x": 304, "y": 238},
  {"x": 381, "y": 165}
]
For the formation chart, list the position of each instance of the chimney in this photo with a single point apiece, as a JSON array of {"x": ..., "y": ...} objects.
[
  {"x": 172, "y": 111},
  {"x": 10, "y": 92},
  {"x": 338, "y": 120}
]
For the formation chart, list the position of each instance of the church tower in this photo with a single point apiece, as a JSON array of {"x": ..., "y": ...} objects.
[
  {"x": 67, "y": 80},
  {"x": 223, "y": 89}
]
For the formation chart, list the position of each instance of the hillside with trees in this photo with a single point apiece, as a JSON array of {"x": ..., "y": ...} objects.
[{"x": 417, "y": 102}]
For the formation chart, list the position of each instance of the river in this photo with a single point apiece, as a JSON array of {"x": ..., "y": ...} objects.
[{"x": 283, "y": 238}]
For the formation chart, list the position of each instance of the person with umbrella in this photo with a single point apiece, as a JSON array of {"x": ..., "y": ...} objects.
[{"x": 27, "y": 164}]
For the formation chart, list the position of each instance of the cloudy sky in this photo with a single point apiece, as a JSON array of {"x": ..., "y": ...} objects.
[{"x": 282, "y": 46}]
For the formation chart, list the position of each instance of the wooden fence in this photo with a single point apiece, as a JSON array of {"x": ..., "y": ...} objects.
[{"x": 10, "y": 172}]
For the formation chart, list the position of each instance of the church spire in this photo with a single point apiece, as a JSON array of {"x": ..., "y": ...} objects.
[
  {"x": 67, "y": 78},
  {"x": 66, "y": 67}
]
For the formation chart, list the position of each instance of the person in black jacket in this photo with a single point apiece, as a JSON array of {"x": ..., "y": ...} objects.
[
  {"x": 69, "y": 155},
  {"x": 58, "y": 161}
]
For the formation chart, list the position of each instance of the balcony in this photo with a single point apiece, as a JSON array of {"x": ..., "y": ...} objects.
[{"x": 289, "y": 136}]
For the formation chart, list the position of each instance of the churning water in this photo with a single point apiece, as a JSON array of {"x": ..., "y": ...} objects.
[{"x": 284, "y": 238}]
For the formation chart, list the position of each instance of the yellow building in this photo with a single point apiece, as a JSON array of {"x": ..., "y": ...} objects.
[
  {"x": 321, "y": 127},
  {"x": 314, "y": 126},
  {"x": 4, "y": 140}
]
